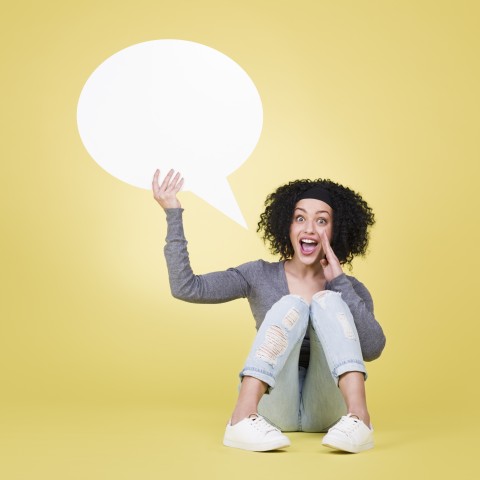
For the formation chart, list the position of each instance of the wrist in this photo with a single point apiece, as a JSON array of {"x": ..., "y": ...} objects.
[
  {"x": 334, "y": 275},
  {"x": 167, "y": 205}
]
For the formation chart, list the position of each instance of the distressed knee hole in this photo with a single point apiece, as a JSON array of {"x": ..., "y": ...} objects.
[
  {"x": 291, "y": 318},
  {"x": 321, "y": 297},
  {"x": 346, "y": 327},
  {"x": 274, "y": 345}
]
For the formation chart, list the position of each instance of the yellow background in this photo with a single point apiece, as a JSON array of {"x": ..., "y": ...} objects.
[{"x": 104, "y": 375}]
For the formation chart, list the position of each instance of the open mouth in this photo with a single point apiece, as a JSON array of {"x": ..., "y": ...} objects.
[{"x": 308, "y": 246}]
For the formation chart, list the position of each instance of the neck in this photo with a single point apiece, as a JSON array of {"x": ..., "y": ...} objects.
[{"x": 301, "y": 270}]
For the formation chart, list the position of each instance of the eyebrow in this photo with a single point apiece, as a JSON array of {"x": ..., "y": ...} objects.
[{"x": 319, "y": 211}]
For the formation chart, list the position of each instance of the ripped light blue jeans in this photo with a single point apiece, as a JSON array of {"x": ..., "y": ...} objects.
[{"x": 300, "y": 399}]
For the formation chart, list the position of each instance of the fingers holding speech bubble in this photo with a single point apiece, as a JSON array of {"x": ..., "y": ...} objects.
[{"x": 172, "y": 104}]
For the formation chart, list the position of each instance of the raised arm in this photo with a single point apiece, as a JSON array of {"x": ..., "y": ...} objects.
[{"x": 213, "y": 287}]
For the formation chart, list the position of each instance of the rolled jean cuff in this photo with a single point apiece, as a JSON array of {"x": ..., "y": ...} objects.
[
  {"x": 259, "y": 374},
  {"x": 350, "y": 366}
]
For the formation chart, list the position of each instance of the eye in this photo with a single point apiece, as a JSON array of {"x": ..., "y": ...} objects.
[
  {"x": 299, "y": 218},
  {"x": 321, "y": 221}
]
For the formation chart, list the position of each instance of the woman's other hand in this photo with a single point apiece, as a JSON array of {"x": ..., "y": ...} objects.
[
  {"x": 166, "y": 193},
  {"x": 330, "y": 264}
]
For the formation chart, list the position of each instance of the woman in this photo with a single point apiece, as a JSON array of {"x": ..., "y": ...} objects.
[{"x": 315, "y": 325}]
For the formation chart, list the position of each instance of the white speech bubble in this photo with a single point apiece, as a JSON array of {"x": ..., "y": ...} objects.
[{"x": 172, "y": 104}]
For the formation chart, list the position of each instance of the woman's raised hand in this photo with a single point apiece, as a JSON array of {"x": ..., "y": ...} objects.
[
  {"x": 166, "y": 193},
  {"x": 330, "y": 264}
]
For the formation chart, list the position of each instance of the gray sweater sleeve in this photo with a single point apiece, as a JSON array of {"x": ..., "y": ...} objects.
[
  {"x": 215, "y": 287},
  {"x": 360, "y": 303}
]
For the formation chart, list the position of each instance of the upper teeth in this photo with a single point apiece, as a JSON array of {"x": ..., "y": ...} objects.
[{"x": 307, "y": 240}]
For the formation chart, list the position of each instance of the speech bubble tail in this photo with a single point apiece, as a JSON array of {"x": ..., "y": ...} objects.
[{"x": 218, "y": 193}]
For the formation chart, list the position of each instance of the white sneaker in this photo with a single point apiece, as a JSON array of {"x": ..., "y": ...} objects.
[
  {"x": 256, "y": 434},
  {"x": 349, "y": 434}
]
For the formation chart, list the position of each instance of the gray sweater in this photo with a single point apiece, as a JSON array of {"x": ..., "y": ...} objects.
[{"x": 263, "y": 284}]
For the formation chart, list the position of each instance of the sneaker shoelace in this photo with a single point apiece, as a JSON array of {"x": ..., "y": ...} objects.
[
  {"x": 347, "y": 425},
  {"x": 261, "y": 424}
]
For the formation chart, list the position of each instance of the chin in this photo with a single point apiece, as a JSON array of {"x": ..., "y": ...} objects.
[{"x": 309, "y": 260}]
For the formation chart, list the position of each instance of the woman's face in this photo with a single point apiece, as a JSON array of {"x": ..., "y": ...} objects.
[{"x": 310, "y": 217}]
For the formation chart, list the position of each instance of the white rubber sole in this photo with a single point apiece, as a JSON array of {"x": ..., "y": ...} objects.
[
  {"x": 258, "y": 447},
  {"x": 338, "y": 445}
]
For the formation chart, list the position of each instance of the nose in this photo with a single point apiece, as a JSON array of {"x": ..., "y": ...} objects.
[{"x": 308, "y": 226}]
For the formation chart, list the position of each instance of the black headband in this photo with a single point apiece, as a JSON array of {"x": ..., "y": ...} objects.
[{"x": 318, "y": 193}]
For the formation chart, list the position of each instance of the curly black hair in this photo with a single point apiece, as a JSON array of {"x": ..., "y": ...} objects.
[{"x": 352, "y": 218}]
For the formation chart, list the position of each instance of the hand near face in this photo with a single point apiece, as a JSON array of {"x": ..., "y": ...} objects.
[
  {"x": 330, "y": 264},
  {"x": 166, "y": 193}
]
